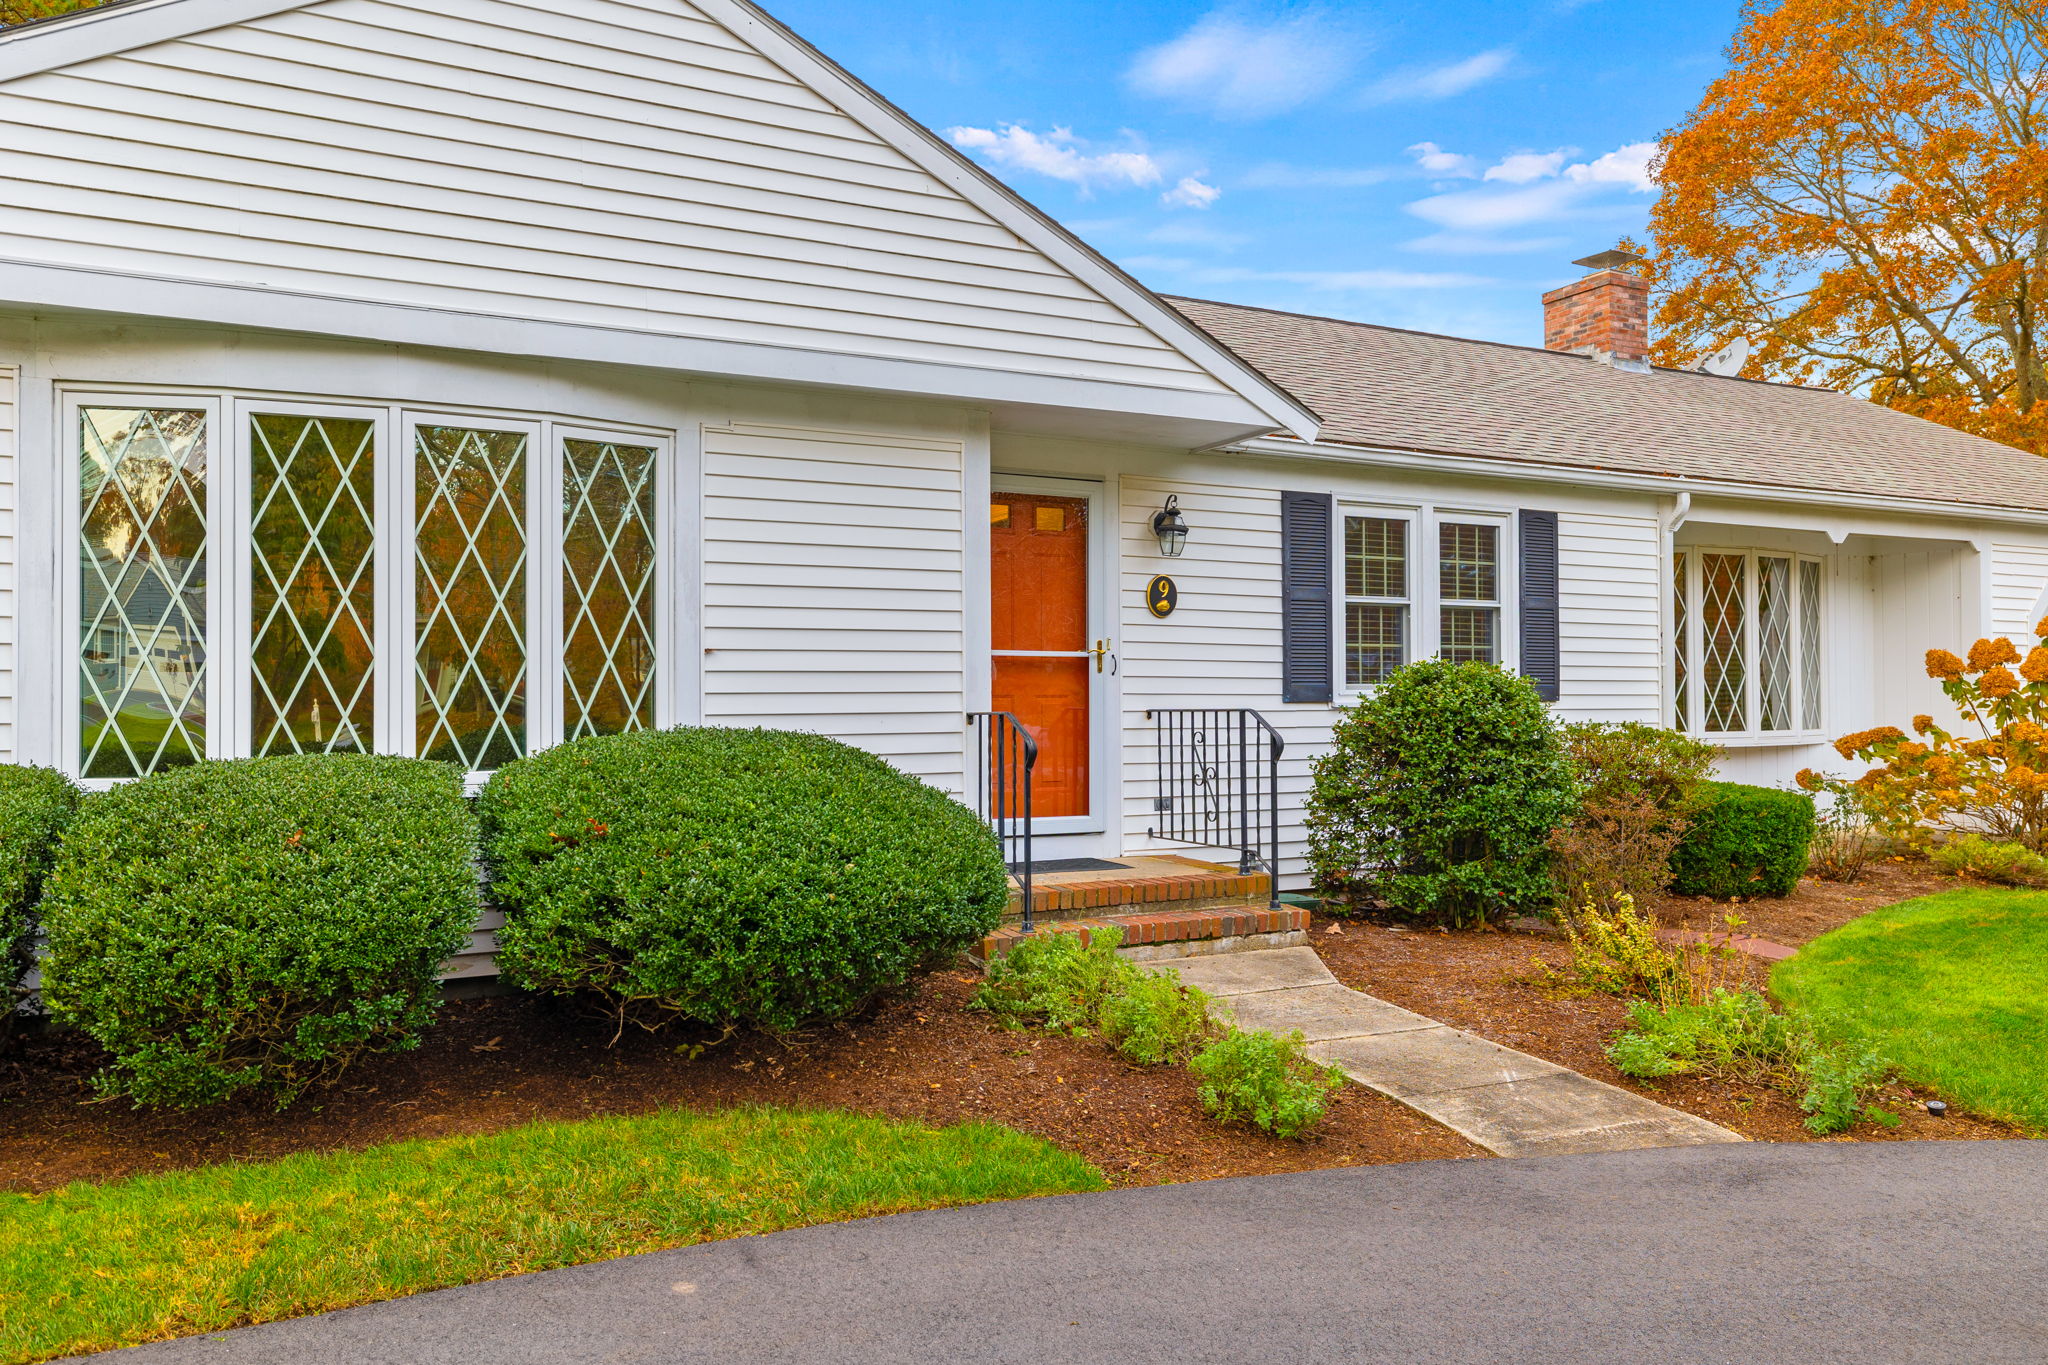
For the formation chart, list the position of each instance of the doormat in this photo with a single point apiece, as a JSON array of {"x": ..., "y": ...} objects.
[{"x": 1071, "y": 865}]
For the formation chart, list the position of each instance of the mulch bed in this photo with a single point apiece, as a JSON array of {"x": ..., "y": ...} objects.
[
  {"x": 1815, "y": 906},
  {"x": 1490, "y": 983},
  {"x": 494, "y": 1063}
]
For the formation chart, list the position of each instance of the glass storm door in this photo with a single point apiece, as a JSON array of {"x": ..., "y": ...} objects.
[{"x": 1045, "y": 657}]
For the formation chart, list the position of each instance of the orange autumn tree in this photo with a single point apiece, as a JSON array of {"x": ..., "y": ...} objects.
[
  {"x": 1991, "y": 779},
  {"x": 1861, "y": 198},
  {"x": 21, "y": 11}
]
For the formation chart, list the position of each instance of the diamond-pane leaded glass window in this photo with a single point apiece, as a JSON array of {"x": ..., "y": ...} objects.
[
  {"x": 1723, "y": 609},
  {"x": 470, "y": 595},
  {"x": 312, "y": 591},
  {"x": 1774, "y": 641},
  {"x": 1809, "y": 644},
  {"x": 1746, "y": 642},
  {"x": 1681, "y": 645},
  {"x": 607, "y": 588},
  {"x": 142, "y": 600}
]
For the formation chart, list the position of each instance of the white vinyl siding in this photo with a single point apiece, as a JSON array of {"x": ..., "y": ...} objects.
[
  {"x": 2019, "y": 576},
  {"x": 10, "y": 431},
  {"x": 607, "y": 163},
  {"x": 1610, "y": 581},
  {"x": 835, "y": 590}
]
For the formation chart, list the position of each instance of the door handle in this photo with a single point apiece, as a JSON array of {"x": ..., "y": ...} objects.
[{"x": 1101, "y": 652}]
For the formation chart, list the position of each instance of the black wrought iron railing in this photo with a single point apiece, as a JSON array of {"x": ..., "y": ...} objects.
[
  {"x": 1218, "y": 785},
  {"x": 1003, "y": 755}
]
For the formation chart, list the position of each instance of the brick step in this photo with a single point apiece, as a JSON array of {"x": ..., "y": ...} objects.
[
  {"x": 1198, "y": 887},
  {"x": 1171, "y": 932}
]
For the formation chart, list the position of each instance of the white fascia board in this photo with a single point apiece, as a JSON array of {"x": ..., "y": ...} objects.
[
  {"x": 1663, "y": 484},
  {"x": 86, "y": 34},
  {"x": 99, "y": 33},
  {"x": 939, "y": 159},
  {"x": 73, "y": 290}
]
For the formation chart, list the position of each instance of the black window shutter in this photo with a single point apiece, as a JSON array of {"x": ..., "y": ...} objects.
[
  {"x": 1540, "y": 662},
  {"x": 1307, "y": 578}
]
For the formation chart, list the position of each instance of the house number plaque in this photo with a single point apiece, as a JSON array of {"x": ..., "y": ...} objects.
[{"x": 1161, "y": 596}]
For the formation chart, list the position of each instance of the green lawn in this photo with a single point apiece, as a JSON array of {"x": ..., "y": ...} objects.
[
  {"x": 1954, "y": 987},
  {"x": 90, "y": 1267}
]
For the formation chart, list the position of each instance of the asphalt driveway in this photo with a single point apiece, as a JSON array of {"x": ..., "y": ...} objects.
[{"x": 1740, "y": 1255}]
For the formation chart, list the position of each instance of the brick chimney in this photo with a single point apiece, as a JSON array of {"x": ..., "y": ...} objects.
[{"x": 1605, "y": 315}]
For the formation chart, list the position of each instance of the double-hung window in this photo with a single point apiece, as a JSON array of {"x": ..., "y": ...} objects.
[
  {"x": 1746, "y": 643},
  {"x": 1417, "y": 584},
  {"x": 269, "y": 575}
]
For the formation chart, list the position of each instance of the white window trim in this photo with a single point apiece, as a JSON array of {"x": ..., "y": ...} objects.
[
  {"x": 1751, "y": 736},
  {"x": 229, "y": 631},
  {"x": 1425, "y": 575}
]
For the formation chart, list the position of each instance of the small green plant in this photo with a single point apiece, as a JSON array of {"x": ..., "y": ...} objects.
[
  {"x": 1970, "y": 855},
  {"x": 1264, "y": 1079},
  {"x": 1058, "y": 980},
  {"x": 1155, "y": 1019},
  {"x": 1844, "y": 840},
  {"x": 1743, "y": 841},
  {"x": 1615, "y": 951},
  {"x": 1736, "y": 1034}
]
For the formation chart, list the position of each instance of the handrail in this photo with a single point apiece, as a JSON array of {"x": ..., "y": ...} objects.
[
  {"x": 1213, "y": 788},
  {"x": 1004, "y": 756}
]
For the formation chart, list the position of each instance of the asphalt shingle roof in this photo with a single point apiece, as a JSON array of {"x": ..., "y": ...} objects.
[{"x": 1380, "y": 386}]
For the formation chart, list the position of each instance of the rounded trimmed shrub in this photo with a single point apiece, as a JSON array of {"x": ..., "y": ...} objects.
[
  {"x": 35, "y": 806},
  {"x": 259, "y": 923},
  {"x": 1440, "y": 796},
  {"x": 1743, "y": 841},
  {"x": 737, "y": 878}
]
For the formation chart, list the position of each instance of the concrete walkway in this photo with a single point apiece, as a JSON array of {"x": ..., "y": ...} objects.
[
  {"x": 1508, "y": 1102},
  {"x": 1908, "y": 1253}
]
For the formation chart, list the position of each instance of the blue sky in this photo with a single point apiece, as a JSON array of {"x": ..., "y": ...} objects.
[{"x": 1429, "y": 165}]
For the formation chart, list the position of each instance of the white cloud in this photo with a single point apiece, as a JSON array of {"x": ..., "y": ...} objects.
[
  {"x": 1190, "y": 193},
  {"x": 1441, "y": 82},
  {"x": 1628, "y": 166},
  {"x": 1557, "y": 194},
  {"x": 1058, "y": 154},
  {"x": 1469, "y": 244},
  {"x": 1236, "y": 68},
  {"x": 1443, "y": 164},
  {"x": 1279, "y": 175},
  {"x": 1522, "y": 167}
]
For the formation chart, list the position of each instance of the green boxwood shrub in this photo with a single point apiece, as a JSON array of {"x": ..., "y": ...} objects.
[
  {"x": 259, "y": 923},
  {"x": 35, "y": 806},
  {"x": 1743, "y": 841},
  {"x": 1440, "y": 796},
  {"x": 736, "y": 878}
]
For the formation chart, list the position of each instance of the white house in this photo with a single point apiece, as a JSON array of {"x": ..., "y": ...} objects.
[{"x": 453, "y": 378}]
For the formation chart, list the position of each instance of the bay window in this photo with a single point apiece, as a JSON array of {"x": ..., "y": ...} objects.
[
  {"x": 1746, "y": 642},
  {"x": 266, "y": 576},
  {"x": 1395, "y": 609}
]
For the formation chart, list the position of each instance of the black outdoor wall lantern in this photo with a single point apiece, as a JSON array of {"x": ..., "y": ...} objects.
[{"x": 1170, "y": 527}]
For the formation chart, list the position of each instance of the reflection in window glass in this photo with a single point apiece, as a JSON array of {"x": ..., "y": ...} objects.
[
  {"x": 142, "y": 598},
  {"x": 607, "y": 588},
  {"x": 470, "y": 595},
  {"x": 312, "y": 586}
]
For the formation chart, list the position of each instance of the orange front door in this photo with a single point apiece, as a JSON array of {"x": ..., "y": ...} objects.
[{"x": 1038, "y": 550}]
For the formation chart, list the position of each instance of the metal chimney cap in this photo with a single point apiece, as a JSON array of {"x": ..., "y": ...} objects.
[{"x": 1612, "y": 259}]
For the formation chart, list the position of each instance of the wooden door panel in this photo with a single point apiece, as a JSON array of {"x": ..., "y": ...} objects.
[{"x": 1051, "y": 697}]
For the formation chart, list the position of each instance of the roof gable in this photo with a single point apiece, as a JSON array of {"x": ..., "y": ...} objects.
[{"x": 651, "y": 167}]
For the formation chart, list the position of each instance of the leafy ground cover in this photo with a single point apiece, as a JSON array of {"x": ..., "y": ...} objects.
[
  {"x": 89, "y": 1267},
  {"x": 1953, "y": 988}
]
